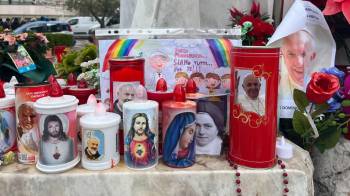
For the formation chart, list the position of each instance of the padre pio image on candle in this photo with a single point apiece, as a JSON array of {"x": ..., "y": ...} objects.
[
  {"x": 123, "y": 92},
  {"x": 250, "y": 91}
]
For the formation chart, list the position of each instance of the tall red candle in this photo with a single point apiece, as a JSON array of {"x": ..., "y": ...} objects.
[
  {"x": 253, "y": 111},
  {"x": 126, "y": 73}
]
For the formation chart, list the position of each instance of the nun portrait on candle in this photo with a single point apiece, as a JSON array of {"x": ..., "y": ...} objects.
[
  {"x": 55, "y": 146},
  {"x": 179, "y": 145},
  {"x": 250, "y": 92},
  {"x": 210, "y": 126}
]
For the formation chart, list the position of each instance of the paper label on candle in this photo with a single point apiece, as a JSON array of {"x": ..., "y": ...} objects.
[
  {"x": 22, "y": 60},
  {"x": 94, "y": 144},
  {"x": 7, "y": 129},
  {"x": 179, "y": 139},
  {"x": 141, "y": 137},
  {"x": 26, "y": 125},
  {"x": 211, "y": 120},
  {"x": 58, "y": 138}
]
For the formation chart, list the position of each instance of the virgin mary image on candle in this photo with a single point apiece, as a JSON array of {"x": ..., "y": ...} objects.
[
  {"x": 179, "y": 145},
  {"x": 55, "y": 146},
  {"x": 251, "y": 92},
  {"x": 140, "y": 149}
]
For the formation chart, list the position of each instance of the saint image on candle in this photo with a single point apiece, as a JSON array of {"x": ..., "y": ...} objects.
[
  {"x": 179, "y": 145},
  {"x": 91, "y": 151},
  {"x": 4, "y": 132},
  {"x": 249, "y": 95},
  {"x": 140, "y": 149},
  {"x": 210, "y": 126},
  {"x": 55, "y": 146},
  {"x": 27, "y": 129}
]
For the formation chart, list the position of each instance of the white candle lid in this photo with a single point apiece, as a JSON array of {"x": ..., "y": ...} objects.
[
  {"x": 89, "y": 107},
  {"x": 137, "y": 105},
  {"x": 100, "y": 119},
  {"x": 284, "y": 149},
  {"x": 8, "y": 101},
  {"x": 49, "y": 105}
]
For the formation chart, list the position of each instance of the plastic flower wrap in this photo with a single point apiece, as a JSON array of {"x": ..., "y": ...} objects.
[
  {"x": 319, "y": 119},
  {"x": 36, "y": 46},
  {"x": 257, "y": 28}
]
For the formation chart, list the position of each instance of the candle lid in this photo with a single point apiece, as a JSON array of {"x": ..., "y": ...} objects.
[
  {"x": 135, "y": 105},
  {"x": 179, "y": 93},
  {"x": 161, "y": 85},
  {"x": 284, "y": 149},
  {"x": 191, "y": 86},
  {"x": 71, "y": 79},
  {"x": 89, "y": 107},
  {"x": 100, "y": 118},
  {"x": 5, "y": 100},
  {"x": 8, "y": 101}
]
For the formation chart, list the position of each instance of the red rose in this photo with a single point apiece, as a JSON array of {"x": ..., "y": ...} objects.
[
  {"x": 267, "y": 28},
  {"x": 247, "y": 18},
  {"x": 321, "y": 87}
]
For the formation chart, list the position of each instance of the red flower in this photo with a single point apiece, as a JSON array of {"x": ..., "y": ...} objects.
[
  {"x": 267, "y": 29},
  {"x": 235, "y": 13},
  {"x": 255, "y": 10},
  {"x": 321, "y": 87}
]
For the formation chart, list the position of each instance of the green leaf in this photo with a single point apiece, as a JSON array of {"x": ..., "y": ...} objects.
[
  {"x": 320, "y": 109},
  {"x": 345, "y": 103},
  {"x": 300, "y": 123},
  {"x": 328, "y": 139},
  {"x": 300, "y": 99}
]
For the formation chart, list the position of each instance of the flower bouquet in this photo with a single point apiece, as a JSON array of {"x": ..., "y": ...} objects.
[
  {"x": 36, "y": 45},
  {"x": 90, "y": 73},
  {"x": 319, "y": 119},
  {"x": 257, "y": 28}
]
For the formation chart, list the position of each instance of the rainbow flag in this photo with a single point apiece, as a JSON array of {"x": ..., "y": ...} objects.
[
  {"x": 221, "y": 49},
  {"x": 119, "y": 48}
]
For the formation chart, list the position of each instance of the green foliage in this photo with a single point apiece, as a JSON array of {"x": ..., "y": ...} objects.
[
  {"x": 345, "y": 103},
  {"x": 59, "y": 39},
  {"x": 72, "y": 60},
  {"x": 99, "y": 9},
  {"x": 329, "y": 125},
  {"x": 300, "y": 99},
  {"x": 86, "y": 54}
]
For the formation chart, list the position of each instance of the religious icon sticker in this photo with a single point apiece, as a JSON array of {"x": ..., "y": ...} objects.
[
  {"x": 56, "y": 147},
  {"x": 7, "y": 129},
  {"x": 94, "y": 145},
  {"x": 122, "y": 93},
  {"x": 141, "y": 134},
  {"x": 22, "y": 60}
]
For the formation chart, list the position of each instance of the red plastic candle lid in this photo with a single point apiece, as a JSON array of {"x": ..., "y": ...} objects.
[
  {"x": 71, "y": 79},
  {"x": 55, "y": 90},
  {"x": 82, "y": 83},
  {"x": 2, "y": 91},
  {"x": 179, "y": 93},
  {"x": 161, "y": 85},
  {"x": 191, "y": 86}
]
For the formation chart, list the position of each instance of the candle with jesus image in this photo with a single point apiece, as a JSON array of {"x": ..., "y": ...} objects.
[{"x": 57, "y": 127}]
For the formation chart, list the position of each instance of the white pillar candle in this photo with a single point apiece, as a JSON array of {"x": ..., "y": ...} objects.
[
  {"x": 99, "y": 144},
  {"x": 140, "y": 119}
]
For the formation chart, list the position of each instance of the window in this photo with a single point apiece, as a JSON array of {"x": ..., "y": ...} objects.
[{"x": 73, "y": 21}]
